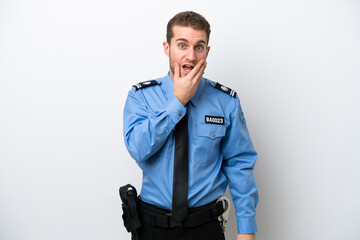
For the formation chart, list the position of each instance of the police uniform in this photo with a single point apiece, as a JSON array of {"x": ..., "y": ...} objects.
[{"x": 220, "y": 149}]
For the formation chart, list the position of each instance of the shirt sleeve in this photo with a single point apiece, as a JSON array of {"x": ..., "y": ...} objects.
[
  {"x": 145, "y": 132},
  {"x": 239, "y": 160}
]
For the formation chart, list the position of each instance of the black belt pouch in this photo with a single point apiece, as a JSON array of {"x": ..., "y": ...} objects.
[{"x": 130, "y": 207}]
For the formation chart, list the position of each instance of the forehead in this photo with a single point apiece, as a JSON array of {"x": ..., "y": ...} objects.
[{"x": 188, "y": 33}]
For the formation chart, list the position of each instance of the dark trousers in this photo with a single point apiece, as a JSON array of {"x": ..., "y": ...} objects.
[{"x": 207, "y": 231}]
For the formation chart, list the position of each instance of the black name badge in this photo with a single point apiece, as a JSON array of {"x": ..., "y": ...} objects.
[{"x": 214, "y": 120}]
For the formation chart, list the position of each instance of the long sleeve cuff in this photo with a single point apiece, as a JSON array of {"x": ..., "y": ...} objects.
[
  {"x": 246, "y": 225},
  {"x": 175, "y": 109}
]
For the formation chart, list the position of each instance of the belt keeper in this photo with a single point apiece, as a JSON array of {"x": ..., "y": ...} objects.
[{"x": 153, "y": 220}]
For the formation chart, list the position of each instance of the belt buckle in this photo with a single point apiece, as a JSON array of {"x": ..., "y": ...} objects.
[{"x": 175, "y": 223}]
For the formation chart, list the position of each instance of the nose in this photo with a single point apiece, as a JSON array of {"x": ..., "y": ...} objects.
[{"x": 191, "y": 56}]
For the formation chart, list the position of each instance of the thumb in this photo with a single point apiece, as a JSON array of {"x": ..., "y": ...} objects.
[{"x": 177, "y": 71}]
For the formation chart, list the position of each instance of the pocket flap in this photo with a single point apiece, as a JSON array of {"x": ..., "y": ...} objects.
[{"x": 211, "y": 130}]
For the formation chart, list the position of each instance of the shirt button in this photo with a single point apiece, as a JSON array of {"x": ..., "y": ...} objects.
[
  {"x": 213, "y": 135},
  {"x": 180, "y": 113}
]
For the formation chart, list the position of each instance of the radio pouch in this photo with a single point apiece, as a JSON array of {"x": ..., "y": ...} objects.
[{"x": 130, "y": 209}]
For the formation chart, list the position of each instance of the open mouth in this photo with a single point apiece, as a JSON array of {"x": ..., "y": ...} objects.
[{"x": 187, "y": 68}]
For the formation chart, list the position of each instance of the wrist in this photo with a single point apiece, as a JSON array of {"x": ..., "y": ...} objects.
[
  {"x": 181, "y": 99},
  {"x": 248, "y": 236}
]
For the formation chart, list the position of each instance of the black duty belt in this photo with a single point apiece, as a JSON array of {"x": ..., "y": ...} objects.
[{"x": 161, "y": 217}]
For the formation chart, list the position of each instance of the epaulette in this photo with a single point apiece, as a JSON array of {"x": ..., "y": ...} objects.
[
  {"x": 145, "y": 84},
  {"x": 225, "y": 89}
]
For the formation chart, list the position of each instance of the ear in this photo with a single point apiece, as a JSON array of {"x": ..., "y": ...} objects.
[
  {"x": 207, "y": 50},
  {"x": 166, "y": 48}
]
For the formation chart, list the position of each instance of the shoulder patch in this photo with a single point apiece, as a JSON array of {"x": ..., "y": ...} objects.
[
  {"x": 225, "y": 89},
  {"x": 145, "y": 84}
]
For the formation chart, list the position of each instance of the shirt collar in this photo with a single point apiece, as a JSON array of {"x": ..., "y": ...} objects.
[{"x": 169, "y": 88}]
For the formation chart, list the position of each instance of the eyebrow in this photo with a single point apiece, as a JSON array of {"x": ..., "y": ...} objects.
[{"x": 185, "y": 40}]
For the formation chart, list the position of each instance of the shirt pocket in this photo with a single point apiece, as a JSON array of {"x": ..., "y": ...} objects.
[{"x": 207, "y": 147}]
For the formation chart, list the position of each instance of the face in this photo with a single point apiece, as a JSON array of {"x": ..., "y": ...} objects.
[{"x": 187, "y": 47}]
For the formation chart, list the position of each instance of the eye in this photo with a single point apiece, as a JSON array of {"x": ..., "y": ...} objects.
[
  {"x": 181, "y": 45},
  {"x": 199, "y": 48}
]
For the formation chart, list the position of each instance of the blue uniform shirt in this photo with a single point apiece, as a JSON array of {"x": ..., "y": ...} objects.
[{"x": 220, "y": 148}]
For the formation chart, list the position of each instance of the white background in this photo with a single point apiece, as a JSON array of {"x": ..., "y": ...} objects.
[{"x": 65, "y": 70}]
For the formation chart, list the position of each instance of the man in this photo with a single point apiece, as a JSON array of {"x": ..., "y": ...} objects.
[{"x": 219, "y": 149}]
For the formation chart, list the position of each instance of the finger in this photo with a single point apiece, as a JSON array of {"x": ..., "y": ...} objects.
[
  {"x": 196, "y": 69},
  {"x": 201, "y": 71}
]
